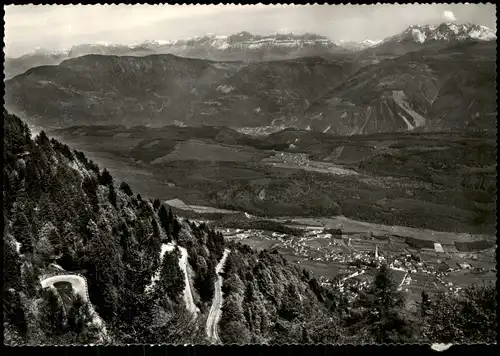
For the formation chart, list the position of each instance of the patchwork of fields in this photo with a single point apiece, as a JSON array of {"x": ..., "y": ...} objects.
[
  {"x": 327, "y": 256},
  {"x": 440, "y": 182}
]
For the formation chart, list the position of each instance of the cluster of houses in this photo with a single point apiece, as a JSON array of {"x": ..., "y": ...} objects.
[
  {"x": 409, "y": 270},
  {"x": 299, "y": 159}
]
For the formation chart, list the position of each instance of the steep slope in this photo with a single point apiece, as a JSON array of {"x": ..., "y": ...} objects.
[
  {"x": 108, "y": 89},
  {"x": 164, "y": 89},
  {"x": 184, "y": 266},
  {"x": 438, "y": 88},
  {"x": 270, "y": 93},
  {"x": 64, "y": 217},
  {"x": 267, "y": 301},
  {"x": 59, "y": 207},
  {"x": 79, "y": 285},
  {"x": 187, "y": 293}
]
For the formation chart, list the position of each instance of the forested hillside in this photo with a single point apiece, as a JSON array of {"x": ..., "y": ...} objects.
[
  {"x": 267, "y": 300},
  {"x": 61, "y": 212},
  {"x": 60, "y": 208}
]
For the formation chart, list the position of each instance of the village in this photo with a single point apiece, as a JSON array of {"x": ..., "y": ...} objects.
[
  {"x": 355, "y": 259},
  {"x": 302, "y": 161}
]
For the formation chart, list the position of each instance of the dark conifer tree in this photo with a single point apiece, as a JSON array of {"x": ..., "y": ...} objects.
[
  {"x": 13, "y": 311},
  {"x": 124, "y": 187},
  {"x": 42, "y": 139},
  {"x": 171, "y": 276},
  {"x": 156, "y": 204},
  {"x": 170, "y": 215},
  {"x": 176, "y": 228},
  {"x": 383, "y": 310},
  {"x": 112, "y": 195},
  {"x": 424, "y": 303},
  {"x": 105, "y": 178},
  {"x": 23, "y": 232},
  {"x": 164, "y": 219},
  {"x": 156, "y": 229},
  {"x": 89, "y": 186},
  {"x": 81, "y": 324},
  {"x": 52, "y": 319},
  {"x": 11, "y": 267}
]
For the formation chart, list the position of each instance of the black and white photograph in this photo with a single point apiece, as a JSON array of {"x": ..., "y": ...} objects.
[{"x": 250, "y": 174}]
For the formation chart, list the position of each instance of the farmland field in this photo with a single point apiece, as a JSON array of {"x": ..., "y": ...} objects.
[
  {"x": 193, "y": 150},
  {"x": 382, "y": 179},
  {"x": 326, "y": 256}
]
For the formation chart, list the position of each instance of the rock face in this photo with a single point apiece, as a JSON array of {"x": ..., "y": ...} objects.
[
  {"x": 423, "y": 36},
  {"x": 439, "y": 88},
  {"x": 445, "y": 32}
]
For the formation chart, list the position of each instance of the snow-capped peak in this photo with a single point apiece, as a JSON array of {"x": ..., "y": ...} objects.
[
  {"x": 157, "y": 42},
  {"x": 247, "y": 40},
  {"x": 371, "y": 42},
  {"x": 358, "y": 45},
  {"x": 445, "y": 32},
  {"x": 104, "y": 43},
  {"x": 47, "y": 52},
  {"x": 482, "y": 33}
]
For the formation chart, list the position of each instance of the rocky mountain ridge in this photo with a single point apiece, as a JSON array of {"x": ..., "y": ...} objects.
[
  {"x": 445, "y": 32},
  {"x": 418, "y": 37},
  {"x": 244, "y": 46}
]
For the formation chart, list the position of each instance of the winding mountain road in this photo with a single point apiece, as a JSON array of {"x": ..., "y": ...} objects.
[
  {"x": 156, "y": 276},
  {"x": 215, "y": 310},
  {"x": 188, "y": 295},
  {"x": 183, "y": 264},
  {"x": 79, "y": 284}
]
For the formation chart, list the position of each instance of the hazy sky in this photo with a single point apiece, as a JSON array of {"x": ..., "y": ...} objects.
[{"x": 61, "y": 26}]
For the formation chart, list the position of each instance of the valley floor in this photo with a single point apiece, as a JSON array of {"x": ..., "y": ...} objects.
[{"x": 361, "y": 245}]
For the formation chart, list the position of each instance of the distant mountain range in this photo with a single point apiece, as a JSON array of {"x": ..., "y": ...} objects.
[
  {"x": 245, "y": 46},
  {"x": 444, "y": 32},
  {"x": 407, "y": 82},
  {"x": 242, "y": 46}
]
